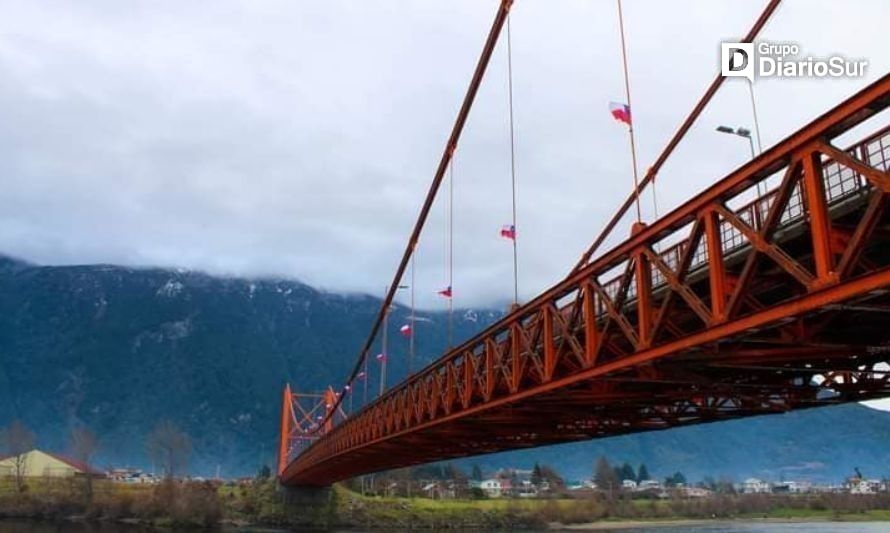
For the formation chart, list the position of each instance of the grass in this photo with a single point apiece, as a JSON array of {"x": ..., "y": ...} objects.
[{"x": 538, "y": 511}]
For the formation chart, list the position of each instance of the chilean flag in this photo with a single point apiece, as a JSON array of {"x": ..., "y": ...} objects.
[
  {"x": 381, "y": 357},
  {"x": 620, "y": 111},
  {"x": 508, "y": 231},
  {"x": 446, "y": 292},
  {"x": 405, "y": 330}
]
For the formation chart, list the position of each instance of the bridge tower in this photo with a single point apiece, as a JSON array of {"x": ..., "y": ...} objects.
[{"x": 301, "y": 414}]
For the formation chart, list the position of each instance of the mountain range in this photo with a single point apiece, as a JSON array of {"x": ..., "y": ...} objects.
[{"x": 119, "y": 349}]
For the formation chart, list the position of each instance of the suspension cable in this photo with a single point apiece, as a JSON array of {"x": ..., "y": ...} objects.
[
  {"x": 457, "y": 129},
  {"x": 366, "y": 378},
  {"x": 450, "y": 252},
  {"x": 672, "y": 144},
  {"x": 630, "y": 124},
  {"x": 512, "y": 162}
]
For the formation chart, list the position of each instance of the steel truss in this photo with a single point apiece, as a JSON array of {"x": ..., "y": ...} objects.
[{"x": 729, "y": 306}]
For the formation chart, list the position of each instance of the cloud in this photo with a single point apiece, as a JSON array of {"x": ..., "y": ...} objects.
[{"x": 297, "y": 138}]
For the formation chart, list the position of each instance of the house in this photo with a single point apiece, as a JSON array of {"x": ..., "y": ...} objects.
[
  {"x": 142, "y": 478},
  {"x": 526, "y": 489},
  {"x": 437, "y": 490},
  {"x": 38, "y": 463},
  {"x": 491, "y": 487},
  {"x": 629, "y": 484},
  {"x": 649, "y": 485},
  {"x": 792, "y": 487},
  {"x": 133, "y": 476},
  {"x": 858, "y": 485},
  {"x": 119, "y": 474},
  {"x": 755, "y": 486}
]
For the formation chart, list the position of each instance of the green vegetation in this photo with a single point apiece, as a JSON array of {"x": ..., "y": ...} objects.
[
  {"x": 263, "y": 503},
  {"x": 171, "y": 503}
]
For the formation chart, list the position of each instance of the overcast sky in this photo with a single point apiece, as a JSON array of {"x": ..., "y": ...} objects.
[{"x": 297, "y": 138}]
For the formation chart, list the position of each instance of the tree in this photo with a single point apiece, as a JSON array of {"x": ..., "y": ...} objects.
[
  {"x": 674, "y": 480},
  {"x": 454, "y": 473},
  {"x": 169, "y": 447},
  {"x": 84, "y": 444},
  {"x": 459, "y": 481},
  {"x": 264, "y": 473},
  {"x": 551, "y": 476},
  {"x": 643, "y": 473},
  {"x": 627, "y": 472},
  {"x": 17, "y": 440},
  {"x": 604, "y": 476},
  {"x": 679, "y": 478},
  {"x": 477, "y": 473},
  {"x": 536, "y": 477}
]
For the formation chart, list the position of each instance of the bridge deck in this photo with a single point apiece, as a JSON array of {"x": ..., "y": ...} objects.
[{"x": 751, "y": 308}]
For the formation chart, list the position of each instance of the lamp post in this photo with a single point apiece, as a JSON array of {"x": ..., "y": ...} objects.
[
  {"x": 384, "y": 341},
  {"x": 746, "y": 133}
]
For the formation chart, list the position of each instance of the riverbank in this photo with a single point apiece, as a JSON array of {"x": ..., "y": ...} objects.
[
  {"x": 347, "y": 509},
  {"x": 264, "y": 504}
]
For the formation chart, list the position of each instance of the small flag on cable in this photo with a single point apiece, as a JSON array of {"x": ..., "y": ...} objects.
[
  {"x": 508, "y": 231},
  {"x": 621, "y": 112},
  {"x": 445, "y": 293},
  {"x": 405, "y": 330},
  {"x": 361, "y": 375},
  {"x": 381, "y": 357}
]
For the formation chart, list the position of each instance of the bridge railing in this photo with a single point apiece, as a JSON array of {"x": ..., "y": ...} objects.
[
  {"x": 841, "y": 184},
  {"x": 593, "y": 323}
]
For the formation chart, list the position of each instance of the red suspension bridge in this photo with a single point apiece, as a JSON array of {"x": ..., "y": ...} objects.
[{"x": 734, "y": 304}]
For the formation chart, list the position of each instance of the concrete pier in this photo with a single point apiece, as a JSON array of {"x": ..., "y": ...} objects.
[{"x": 315, "y": 506}]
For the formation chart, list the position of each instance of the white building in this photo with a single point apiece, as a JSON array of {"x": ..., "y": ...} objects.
[
  {"x": 864, "y": 486},
  {"x": 37, "y": 463},
  {"x": 793, "y": 487},
  {"x": 629, "y": 484},
  {"x": 491, "y": 487},
  {"x": 755, "y": 486},
  {"x": 649, "y": 484}
]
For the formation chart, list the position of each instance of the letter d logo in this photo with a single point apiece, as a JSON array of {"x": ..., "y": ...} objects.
[{"x": 737, "y": 60}]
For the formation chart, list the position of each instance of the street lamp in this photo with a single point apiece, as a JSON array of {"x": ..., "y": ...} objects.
[
  {"x": 746, "y": 133},
  {"x": 384, "y": 346}
]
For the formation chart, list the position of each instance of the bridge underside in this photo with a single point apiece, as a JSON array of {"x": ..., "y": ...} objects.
[{"x": 815, "y": 359}]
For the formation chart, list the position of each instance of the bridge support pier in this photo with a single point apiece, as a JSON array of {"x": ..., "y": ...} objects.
[{"x": 310, "y": 506}]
